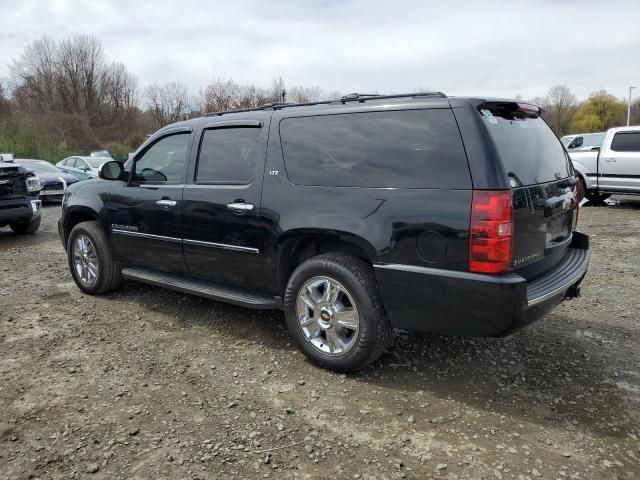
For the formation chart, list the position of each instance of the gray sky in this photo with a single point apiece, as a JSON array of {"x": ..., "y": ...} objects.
[{"x": 498, "y": 48}]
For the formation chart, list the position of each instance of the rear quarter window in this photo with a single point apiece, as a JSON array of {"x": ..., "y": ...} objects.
[
  {"x": 527, "y": 148},
  {"x": 397, "y": 149},
  {"x": 626, "y": 142}
]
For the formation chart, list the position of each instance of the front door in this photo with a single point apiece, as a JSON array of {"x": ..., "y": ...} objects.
[
  {"x": 620, "y": 162},
  {"x": 221, "y": 225},
  {"x": 145, "y": 211}
]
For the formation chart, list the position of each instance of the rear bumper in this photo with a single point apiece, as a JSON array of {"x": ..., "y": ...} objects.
[
  {"x": 19, "y": 210},
  {"x": 462, "y": 303}
]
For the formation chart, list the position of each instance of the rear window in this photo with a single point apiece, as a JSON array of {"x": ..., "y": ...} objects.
[
  {"x": 626, "y": 142},
  {"x": 402, "y": 149},
  {"x": 528, "y": 149}
]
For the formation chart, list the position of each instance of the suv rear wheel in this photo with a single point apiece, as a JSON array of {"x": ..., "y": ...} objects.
[
  {"x": 90, "y": 260},
  {"x": 334, "y": 312}
]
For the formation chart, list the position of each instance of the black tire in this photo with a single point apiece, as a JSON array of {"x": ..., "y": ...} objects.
[
  {"x": 108, "y": 277},
  {"x": 357, "y": 277},
  {"x": 26, "y": 228},
  {"x": 596, "y": 198}
]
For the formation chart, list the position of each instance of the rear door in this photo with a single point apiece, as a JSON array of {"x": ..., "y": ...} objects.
[
  {"x": 221, "y": 227},
  {"x": 620, "y": 162},
  {"x": 69, "y": 167},
  {"x": 543, "y": 183}
]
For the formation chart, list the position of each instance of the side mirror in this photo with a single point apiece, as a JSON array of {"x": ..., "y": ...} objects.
[{"x": 110, "y": 170}]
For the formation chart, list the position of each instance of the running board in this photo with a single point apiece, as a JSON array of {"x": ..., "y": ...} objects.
[{"x": 202, "y": 288}]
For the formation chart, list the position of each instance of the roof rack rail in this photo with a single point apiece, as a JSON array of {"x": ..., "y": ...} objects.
[
  {"x": 357, "y": 96},
  {"x": 352, "y": 97},
  {"x": 362, "y": 97}
]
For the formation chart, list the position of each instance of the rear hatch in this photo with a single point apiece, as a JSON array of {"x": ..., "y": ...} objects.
[{"x": 543, "y": 184}]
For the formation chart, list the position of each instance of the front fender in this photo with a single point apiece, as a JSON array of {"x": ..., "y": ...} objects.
[{"x": 84, "y": 201}]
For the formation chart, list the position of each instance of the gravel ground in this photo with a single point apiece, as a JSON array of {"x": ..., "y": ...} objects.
[{"x": 147, "y": 383}]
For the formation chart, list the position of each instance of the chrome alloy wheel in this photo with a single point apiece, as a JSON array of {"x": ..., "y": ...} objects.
[
  {"x": 85, "y": 260},
  {"x": 327, "y": 316}
]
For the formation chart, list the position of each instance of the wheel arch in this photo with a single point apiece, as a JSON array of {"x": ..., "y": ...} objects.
[
  {"x": 299, "y": 246},
  {"x": 76, "y": 215}
]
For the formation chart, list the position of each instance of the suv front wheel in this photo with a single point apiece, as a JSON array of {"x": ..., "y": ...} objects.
[
  {"x": 334, "y": 312},
  {"x": 90, "y": 260}
]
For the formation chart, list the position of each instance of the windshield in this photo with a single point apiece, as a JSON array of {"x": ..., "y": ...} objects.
[
  {"x": 95, "y": 162},
  {"x": 40, "y": 167},
  {"x": 529, "y": 150}
]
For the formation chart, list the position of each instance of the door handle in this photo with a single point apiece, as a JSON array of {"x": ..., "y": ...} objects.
[
  {"x": 240, "y": 207},
  {"x": 609, "y": 160},
  {"x": 165, "y": 203}
]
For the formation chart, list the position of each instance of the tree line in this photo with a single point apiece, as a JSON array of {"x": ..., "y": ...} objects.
[{"x": 67, "y": 97}]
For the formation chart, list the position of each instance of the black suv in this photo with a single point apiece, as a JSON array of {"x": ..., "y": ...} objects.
[
  {"x": 419, "y": 211},
  {"x": 20, "y": 207}
]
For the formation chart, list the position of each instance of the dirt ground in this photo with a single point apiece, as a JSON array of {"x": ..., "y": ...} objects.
[{"x": 147, "y": 383}]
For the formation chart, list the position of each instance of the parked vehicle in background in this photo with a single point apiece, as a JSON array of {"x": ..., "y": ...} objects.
[
  {"x": 6, "y": 157},
  {"x": 614, "y": 168},
  {"x": 53, "y": 180},
  {"x": 19, "y": 203},
  {"x": 83, "y": 168},
  {"x": 419, "y": 211},
  {"x": 100, "y": 153},
  {"x": 583, "y": 141}
]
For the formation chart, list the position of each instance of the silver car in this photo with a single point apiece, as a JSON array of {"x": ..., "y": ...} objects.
[{"x": 83, "y": 168}]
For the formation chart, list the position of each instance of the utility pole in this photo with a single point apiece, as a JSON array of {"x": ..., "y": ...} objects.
[{"x": 629, "y": 105}]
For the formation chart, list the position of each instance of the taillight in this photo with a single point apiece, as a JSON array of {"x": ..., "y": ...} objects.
[{"x": 491, "y": 231}]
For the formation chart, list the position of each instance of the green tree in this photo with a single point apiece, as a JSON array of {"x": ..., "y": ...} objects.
[{"x": 599, "y": 112}]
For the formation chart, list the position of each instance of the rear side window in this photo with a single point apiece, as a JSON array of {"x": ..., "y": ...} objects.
[
  {"x": 529, "y": 150},
  {"x": 626, "y": 142},
  {"x": 229, "y": 155},
  {"x": 402, "y": 149}
]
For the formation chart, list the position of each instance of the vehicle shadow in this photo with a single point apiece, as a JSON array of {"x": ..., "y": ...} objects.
[
  {"x": 627, "y": 202},
  {"x": 558, "y": 371}
]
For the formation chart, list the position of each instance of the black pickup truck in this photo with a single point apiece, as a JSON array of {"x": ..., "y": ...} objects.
[{"x": 19, "y": 202}]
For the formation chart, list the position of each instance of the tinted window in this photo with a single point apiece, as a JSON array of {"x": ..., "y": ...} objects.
[
  {"x": 164, "y": 161},
  {"x": 229, "y": 155},
  {"x": 626, "y": 142},
  {"x": 528, "y": 149},
  {"x": 404, "y": 149}
]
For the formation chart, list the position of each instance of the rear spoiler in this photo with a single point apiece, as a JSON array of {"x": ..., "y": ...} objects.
[{"x": 524, "y": 108}]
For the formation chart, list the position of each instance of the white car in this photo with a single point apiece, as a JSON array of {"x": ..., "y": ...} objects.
[{"x": 83, "y": 168}]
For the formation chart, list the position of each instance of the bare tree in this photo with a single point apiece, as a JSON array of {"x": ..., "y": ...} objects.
[
  {"x": 167, "y": 103},
  {"x": 301, "y": 94},
  {"x": 34, "y": 75},
  {"x": 560, "y": 105},
  {"x": 81, "y": 75},
  {"x": 221, "y": 95}
]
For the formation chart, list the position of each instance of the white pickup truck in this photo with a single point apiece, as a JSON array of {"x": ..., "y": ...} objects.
[{"x": 614, "y": 168}]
